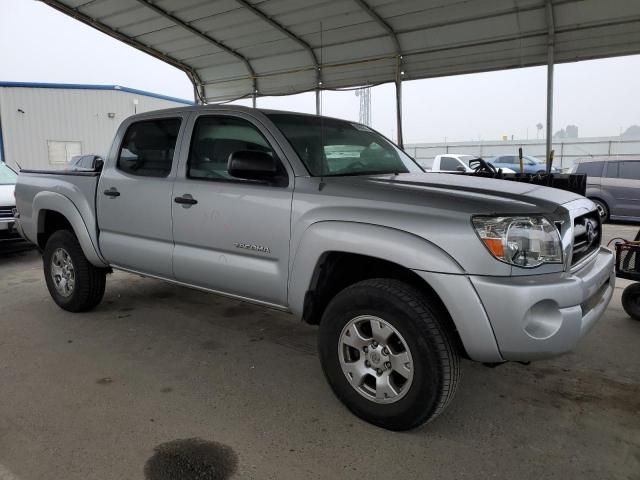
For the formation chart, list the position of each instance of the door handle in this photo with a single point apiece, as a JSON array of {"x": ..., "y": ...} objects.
[
  {"x": 185, "y": 200},
  {"x": 112, "y": 192}
]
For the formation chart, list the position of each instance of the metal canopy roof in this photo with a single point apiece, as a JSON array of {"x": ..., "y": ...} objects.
[{"x": 238, "y": 48}]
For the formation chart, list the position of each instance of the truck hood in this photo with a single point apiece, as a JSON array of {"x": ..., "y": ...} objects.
[
  {"x": 436, "y": 207},
  {"x": 458, "y": 192},
  {"x": 6, "y": 196}
]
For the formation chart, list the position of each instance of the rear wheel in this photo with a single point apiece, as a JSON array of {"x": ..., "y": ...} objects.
[
  {"x": 73, "y": 282},
  {"x": 631, "y": 300},
  {"x": 387, "y": 355},
  {"x": 603, "y": 209}
]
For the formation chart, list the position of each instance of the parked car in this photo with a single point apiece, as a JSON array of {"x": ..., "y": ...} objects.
[
  {"x": 85, "y": 163},
  {"x": 531, "y": 164},
  {"x": 405, "y": 272},
  {"x": 454, "y": 162},
  {"x": 8, "y": 179},
  {"x": 613, "y": 184}
]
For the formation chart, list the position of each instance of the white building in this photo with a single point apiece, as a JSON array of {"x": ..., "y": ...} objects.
[{"x": 42, "y": 125}]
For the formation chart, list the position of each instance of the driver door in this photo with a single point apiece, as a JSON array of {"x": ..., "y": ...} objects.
[{"x": 233, "y": 235}]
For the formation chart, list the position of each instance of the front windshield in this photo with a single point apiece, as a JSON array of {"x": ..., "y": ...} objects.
[
  {"x": 466, "y": 159},
  {"x": 7, "y": 176},
  {"x": 330, "y": 147}
]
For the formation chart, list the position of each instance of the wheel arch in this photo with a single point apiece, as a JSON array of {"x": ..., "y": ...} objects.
[
  {"x": 333, "y": 255},
  {"x": 53, "y": 211}
]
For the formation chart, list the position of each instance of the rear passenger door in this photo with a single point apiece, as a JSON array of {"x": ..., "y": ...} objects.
[
  {"x": 134, "y": 196},
  {"x": 233, "y": 236},
  {"x": 622, "y": 183}
]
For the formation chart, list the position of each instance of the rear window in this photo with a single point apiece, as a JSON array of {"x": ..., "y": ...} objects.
[
  {"x": 148, "y": 147},
  {"x": 592, "y": 169},
  {"x": 630, "y": 170}
]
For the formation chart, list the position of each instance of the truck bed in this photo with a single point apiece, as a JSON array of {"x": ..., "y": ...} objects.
[{"x": 37, "y": 190}]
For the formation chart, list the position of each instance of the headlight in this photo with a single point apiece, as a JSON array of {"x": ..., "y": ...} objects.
[{"x": 522, "y": 241}]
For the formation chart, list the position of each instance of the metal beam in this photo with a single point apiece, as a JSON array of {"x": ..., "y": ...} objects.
[
  {"x": 551, "y": 40},
  {"x": 193, "y": 76},
  {"x": 382, "y": 22},
  {"x": 205, "y": 37},
  {"x": 398, "y": 77},
  {"x": 282, "y": 29},
  {"x": 400, "y": 139}
]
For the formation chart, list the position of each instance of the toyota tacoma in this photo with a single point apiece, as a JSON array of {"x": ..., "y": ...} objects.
[{"x": 404, "y": 272}]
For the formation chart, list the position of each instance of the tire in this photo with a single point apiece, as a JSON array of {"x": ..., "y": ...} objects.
[
  {"x": 416, "y": 327},
  {"x": 74, "y": 283},
  {"x": 603, "y": 209},
  {"x": 631, "y": 300}
]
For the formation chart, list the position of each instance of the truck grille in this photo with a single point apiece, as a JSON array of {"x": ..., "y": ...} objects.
[
  {"x": 587, "y": 234},
  {"x": 6, "y": 212}
]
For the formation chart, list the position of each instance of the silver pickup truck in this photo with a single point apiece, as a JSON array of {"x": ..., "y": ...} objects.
[{"x": 405, "y": 272}]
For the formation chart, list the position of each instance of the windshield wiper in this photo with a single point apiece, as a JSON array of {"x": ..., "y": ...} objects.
[{"x": 372, "y": 172}]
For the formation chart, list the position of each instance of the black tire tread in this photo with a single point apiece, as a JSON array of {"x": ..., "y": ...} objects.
[
  {"x": 427, "y": 314},
  {"x": 90, "y": 280},
  {"x": 429, "y": 325}
]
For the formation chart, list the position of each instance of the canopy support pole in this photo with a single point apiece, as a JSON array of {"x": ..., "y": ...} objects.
[
  {"x": 550, "y": 64},
  {"x": 399, "y": 101}
]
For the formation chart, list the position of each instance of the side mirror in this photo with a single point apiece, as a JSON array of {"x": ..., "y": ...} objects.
[
  {"x": 253, "y": 165},
  {"x": 98, "y": 163},
  {"x": 460, "y": 168}
]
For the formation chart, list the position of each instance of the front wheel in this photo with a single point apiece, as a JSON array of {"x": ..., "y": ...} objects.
[
  {"x": 74, "y": 283},
  {"x": 387, "y": 355}
]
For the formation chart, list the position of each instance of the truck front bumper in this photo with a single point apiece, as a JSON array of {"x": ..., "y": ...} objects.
[
  {"x": 541, "y": 316},
  {"x": 526, "y": 317}
]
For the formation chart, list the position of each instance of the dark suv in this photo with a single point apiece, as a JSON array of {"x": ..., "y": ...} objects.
[{"x": 614, "y": 185}]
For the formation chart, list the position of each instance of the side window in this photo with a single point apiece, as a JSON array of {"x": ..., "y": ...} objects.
[
  {"x": 215, "y": 139},
  {"x": 505, "y": 159},
  {"x": 611, "y": 169},
  {"x": 148, "y": 147},
  {"x": 86, "y": 162},
  {"x": 449, "y": 164},
  {"x": 630, "y": 170},
  {"x": 592, "y": 169}
]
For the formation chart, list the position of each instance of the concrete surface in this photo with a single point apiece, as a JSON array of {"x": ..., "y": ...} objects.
[{"x": 90, "y": 396}]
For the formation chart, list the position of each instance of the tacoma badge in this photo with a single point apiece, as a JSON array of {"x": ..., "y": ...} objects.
[{"x": 249, "y": 246}]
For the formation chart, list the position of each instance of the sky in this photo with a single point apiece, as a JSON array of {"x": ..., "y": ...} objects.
[{"x": 602, "y": 97}]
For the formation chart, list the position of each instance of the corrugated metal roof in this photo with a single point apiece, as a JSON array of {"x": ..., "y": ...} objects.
[
  {"x": 84, "y": 86},
  {"x": 231, "y": 48}
]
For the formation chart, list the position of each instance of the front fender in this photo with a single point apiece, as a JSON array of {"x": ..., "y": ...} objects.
[
  {"x": 59, "y": 203},
  {"x": 386, "y": 243}
]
